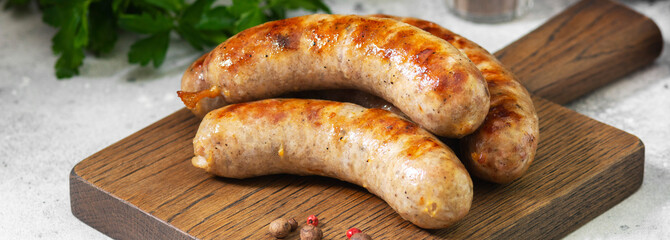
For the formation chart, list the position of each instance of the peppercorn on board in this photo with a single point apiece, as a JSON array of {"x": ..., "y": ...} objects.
[{"x": 145, "y": 187}]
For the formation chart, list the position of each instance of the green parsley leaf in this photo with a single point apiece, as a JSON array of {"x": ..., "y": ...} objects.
[
  {"x": 54, "y": 16},
  {"x": 214, "y": 37},
  {"x": 119, "y": 5},
  {"x": 71, "y": 38},
  {"x": 16, "y": 3},
  {"x": 191, "y": 17},
  {"x": 217, "y": 18},
  {"x": 319, "y": 6},
  {"x": 193, "y": 13},
  {"x": 191, "y": 35},
  {"x": 276, "y": 13},
  {"x": 68, "y": 63},
  {"x": 145, "y": 23},
  {"x": 93, "y": 24},
  {"x": 240, "y": 7},
  {"x": 171, "y": 5},
  {"x": 149, "y": 49},
  {"x": 250, "y": 19},
  {"x": 306, "y": 4},
  {"x": 102, "y": 37},
  {"x": 311, "y": 5}
]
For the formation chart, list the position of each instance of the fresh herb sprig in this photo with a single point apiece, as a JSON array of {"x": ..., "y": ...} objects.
[{"x": 94, "y": 25}]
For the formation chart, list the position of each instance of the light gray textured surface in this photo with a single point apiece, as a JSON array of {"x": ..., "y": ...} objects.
[{"x": 47, "y": 125}]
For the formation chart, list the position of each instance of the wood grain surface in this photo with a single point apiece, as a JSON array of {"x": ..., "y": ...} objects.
[
  {"x": 144, "y": 187},
  {"x": 587, "y": 46}
]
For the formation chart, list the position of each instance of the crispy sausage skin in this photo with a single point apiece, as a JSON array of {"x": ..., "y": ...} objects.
[
  {"x": 421, "y": 74},
  {"x": 393, "y": 158},
  {"x": 504, "y": 146}
]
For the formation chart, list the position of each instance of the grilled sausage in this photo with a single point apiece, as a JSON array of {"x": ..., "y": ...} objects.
[
  {"x": 393, "y": 158},
  {"x": 503, "y": 148},
  {"x": 423, "y": 75}
]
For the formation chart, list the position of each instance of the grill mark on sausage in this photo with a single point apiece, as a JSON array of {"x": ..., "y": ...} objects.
[
  {"x": 324, "y": 35},
  {"x": 375, "y": 117},
  {"x": 366, "y": 31},
  {"x": 500, "y": 117},
  {"x": 420, "y": 146},
  {"x": 413, "y": 57},
  {"x": 477, "y": 58},
  {"x": 499, "y": 158},
  {"x": 422, "y": 56},
  {"x": 451, "y": 81},
  {"x": 197, "y": 65},
  {"x": 425, "y": 158},
  {"x": 256, "y": 111},
  {"x": 276, "y": 110},
  {"x": 239, "y": 52},
  {"x": 230, "y": 109},
  {"x": 288, "y": 41},
  {"x": 397, "y": 46},
  {"x": 313, "y": 112}
]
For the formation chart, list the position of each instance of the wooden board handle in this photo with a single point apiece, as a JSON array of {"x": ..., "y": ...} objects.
[{"x": 590, "y": 44}]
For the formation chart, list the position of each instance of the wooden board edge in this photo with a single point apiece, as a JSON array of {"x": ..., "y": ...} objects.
[
  {"x": 622, "y": 47},
  {"x": 120, "y": 219},
  {"x": 590, "y": 194},
  {"x": 116, "y": 217}
]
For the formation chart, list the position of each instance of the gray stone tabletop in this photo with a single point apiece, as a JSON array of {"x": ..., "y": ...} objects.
[{"x": 48, "y": 125}]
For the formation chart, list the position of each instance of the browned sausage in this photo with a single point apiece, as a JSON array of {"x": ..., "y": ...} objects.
[
  {"x": 423, "y": 75},
  {"x": 504, "y": 146},
  {"x": 393, "y": 158}
]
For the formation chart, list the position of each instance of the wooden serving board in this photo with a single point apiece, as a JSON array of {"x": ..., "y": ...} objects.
[{"x": 144, "y": 187}]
